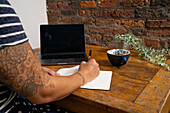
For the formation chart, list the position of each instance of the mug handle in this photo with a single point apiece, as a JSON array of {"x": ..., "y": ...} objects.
[{"x": 123, "y": 60}]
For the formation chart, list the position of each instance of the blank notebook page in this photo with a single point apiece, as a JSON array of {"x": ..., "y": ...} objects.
[{"x": 102, "y": 82}]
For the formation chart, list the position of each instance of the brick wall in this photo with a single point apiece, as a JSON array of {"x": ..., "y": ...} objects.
[{"x": 149, "y": 20}]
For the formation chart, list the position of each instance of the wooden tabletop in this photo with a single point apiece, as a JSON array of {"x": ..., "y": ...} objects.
[{"x": 137, "y": 87}]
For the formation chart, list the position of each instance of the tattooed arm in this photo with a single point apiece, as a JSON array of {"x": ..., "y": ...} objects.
[{"x": 21, "y": 71}]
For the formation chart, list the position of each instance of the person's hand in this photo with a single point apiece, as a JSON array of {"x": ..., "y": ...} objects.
[
  {"x": 89, "y": 70},
  {"x": 50, "y": 71}
]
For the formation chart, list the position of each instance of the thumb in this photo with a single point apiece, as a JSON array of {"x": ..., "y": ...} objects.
[{"x": 83, "y": 62}]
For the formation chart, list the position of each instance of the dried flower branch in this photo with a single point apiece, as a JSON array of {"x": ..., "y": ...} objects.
[{"x": 159, "y": 57}]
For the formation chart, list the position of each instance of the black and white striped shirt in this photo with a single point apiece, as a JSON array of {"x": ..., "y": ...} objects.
[{"x": 11, "y": 33}]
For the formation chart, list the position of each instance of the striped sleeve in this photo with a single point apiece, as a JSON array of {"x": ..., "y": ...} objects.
[
  {"x": 6, "y": 96},
  {"x": 11, "y": 29}
]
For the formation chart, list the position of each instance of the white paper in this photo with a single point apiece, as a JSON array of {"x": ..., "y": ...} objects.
[{"x": 101, "y": 82}]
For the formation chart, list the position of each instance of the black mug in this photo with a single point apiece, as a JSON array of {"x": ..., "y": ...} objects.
[{"x": 118, "y": 57}]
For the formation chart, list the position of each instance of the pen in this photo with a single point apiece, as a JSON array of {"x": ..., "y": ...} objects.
[{"x": 90, "y": 54}]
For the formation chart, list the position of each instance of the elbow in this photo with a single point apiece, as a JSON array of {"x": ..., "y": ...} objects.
[{"x": 42, "y": 99}]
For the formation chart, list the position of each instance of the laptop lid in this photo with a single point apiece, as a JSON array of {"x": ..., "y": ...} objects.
[{"x": 62, "y": 39}]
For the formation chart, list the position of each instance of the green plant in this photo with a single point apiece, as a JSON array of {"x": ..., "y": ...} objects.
[{"x": 159, "y": 57}]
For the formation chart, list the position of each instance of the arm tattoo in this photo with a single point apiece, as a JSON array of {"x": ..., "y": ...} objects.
[{"x": 21, "y": 71}]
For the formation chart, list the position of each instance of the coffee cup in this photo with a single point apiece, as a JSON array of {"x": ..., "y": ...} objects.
[{"x": 118, "y": 57}]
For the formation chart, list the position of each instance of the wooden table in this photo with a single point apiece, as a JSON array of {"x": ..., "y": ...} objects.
[{"x": 137, "y": 87}]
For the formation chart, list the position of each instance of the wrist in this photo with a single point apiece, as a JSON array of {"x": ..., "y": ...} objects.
[{"x": 83, "y": 79}]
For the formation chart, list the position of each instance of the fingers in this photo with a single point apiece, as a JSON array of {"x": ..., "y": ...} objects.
[
  {"x": 57, "y": 74},
  {"x": 50, "y": 72},
  {"x": 93, "y": 62}
]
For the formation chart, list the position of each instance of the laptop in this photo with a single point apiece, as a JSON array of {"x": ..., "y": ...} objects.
[{"x": 62, "y": 44}]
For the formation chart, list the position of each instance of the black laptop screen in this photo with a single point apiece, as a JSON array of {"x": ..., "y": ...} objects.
[{"x": 62, "y": 38}]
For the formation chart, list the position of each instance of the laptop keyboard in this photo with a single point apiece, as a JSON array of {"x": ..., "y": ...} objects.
[
  {"x": 62, "y": 56},
  {"x": 63, "y": 60}
]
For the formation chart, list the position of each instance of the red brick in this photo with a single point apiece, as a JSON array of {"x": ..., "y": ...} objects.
[
  {"x": 53, "y": 12},
  {"x": 120, "y": 13},
  {"x": 107, "y": 3},
  {"x": 108, "y": 38},
  {"x": 69, "y": 12},
  {"x": 152, "y": 23},
  {"x": 86, "y": 29},
  {"x": 73, "y": 4},
  {"x": 133, "y": 3},
  {"x": 84, "y": 12},
  {"x": 159, "y": 33},
  {"x": 162, "y": 43},
  {"x": 52, "y": 19},
  {"x": 152, "y": 43},
  {"x": 165, "y": 23},
  {"x": 87, "y": 37},
  {"x": 63, "y": 20},
  {"x": 84, "y": 20},
  {"x": 87, "y": 4},
  {"x": 76, "y": 20},
  {"x": 138, "y": 31},
  {"x": 158, "y": 23},
  {"x": 52, "y": 5},
  {"x": 101, "y": 30},
  {"x": 62, "y": 4},
  {"x": 88, "y": 21},
  {"x": 104, "y": 22},
  {"x": 131, "y": 23},
  {"x": 119, "y": 31},
  {"x": 96, "y": 39},
  {"x": 99, "y": 13}
]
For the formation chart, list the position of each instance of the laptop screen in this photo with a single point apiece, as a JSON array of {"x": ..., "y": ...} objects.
[{"x": 62, "y": 38}]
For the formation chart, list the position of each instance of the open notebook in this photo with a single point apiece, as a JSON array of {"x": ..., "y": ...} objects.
[{"x": 102, "y": 82}]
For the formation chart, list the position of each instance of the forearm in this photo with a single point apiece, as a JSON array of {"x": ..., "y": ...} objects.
[
  {"x": 62, "y": 87},
  {"x": 67, "y": 85}
]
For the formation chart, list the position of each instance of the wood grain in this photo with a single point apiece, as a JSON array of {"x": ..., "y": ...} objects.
[
  {"x": 137, "y": 87},
  {"x": 156, "y": 92}
]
